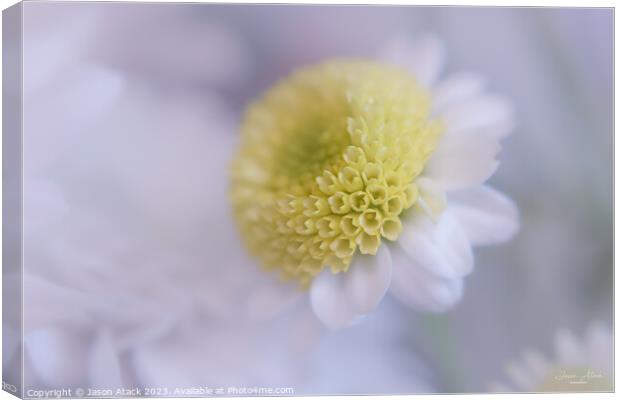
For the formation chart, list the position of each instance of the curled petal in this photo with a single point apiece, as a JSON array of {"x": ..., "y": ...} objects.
[
  {"x": 441, "y": 248},
  {"x": 486, "y": 215},
  {"x": 489, "y": 114},
  {"x": 368, "y": 279},
  {"x": 460, "y": 162},
  {"x": 456, "y": 89},
  {"x": 330, "y": 302},
  {"x": 424, "y": 57},
  {"x": 420, "y": 289}
]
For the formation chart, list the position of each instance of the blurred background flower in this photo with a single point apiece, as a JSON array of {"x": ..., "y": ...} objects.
[
  {"x": 578, "y": 365},
  {"x": 130, "y": 119}
]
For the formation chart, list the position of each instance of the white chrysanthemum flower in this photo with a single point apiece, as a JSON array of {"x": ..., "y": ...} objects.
[
  {"x": 88, "y": 298},
  {"x": 353, "y": 177},
  {"x": 578, "y": 366},
  {"x": 116, "y": 188}
]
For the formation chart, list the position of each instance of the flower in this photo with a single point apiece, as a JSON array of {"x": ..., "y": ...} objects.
[
  {"x": 585, "y": 365},
  {"x": 120, "y": 225},
  {"x": 109, "y": 162},
  {"x": 376, "y": 172}
]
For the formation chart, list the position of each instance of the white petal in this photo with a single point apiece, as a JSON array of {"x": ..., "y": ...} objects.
[
  {"x": 424, "y": 57},
  {"x": 418, "y": 288},
  {"x": 44, "y": 204},
  {"x": 368, "y": 279},
  {"x": 568, "y": 349},
  {"x": 104, "y": 365},
  {"x": 599, "y": 342},
  {"x": 270, "y": 299},
  {"x": 520, "y": 376},
  {"x": 304, "y": 332},
  {"x": 49, "y": 304},
  {"x": 462, "y": 161},
  {"x": 200, "y": 349},
  {"x": 598, "y": 337},
  {"x": 432, "y": 197},
  {"x": 161, "y": 362},
  {"x": 489, "y": 114},
  {"x": 441, "y": 248},
  {"x": 455, "y": 89},
  {"x": 57, "y": 356},
  {"x": 329, "y": 300},
  {"x": 138, "y": 134},
  {"x": 535, "y": 362},
  {"x": 146, "y": 332},
  {"x": 486, "y": 215},
  {"x": 55, "y": 37},
  {"x": 59, "y": 115}
]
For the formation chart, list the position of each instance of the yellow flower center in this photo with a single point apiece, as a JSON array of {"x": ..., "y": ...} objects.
[{"x": 327, "y": 164}]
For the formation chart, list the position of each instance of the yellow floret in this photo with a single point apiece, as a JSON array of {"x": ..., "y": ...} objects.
[{"x": 327, "y": 164}]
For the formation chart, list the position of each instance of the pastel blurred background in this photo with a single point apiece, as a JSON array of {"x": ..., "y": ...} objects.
[{"x": 134, "y": 273}]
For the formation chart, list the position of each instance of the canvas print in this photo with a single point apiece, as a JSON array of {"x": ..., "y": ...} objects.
[{"x": 215, "y": 200}]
